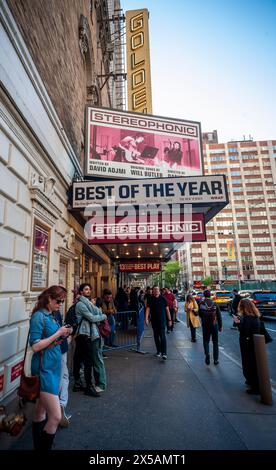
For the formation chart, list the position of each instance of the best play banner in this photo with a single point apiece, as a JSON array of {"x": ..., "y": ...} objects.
[
  {"x": 133, "y": 145},
  {"x": 140, "y": 267}
]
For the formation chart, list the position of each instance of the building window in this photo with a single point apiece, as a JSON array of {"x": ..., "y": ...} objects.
[{"x": 40, "y": 261}]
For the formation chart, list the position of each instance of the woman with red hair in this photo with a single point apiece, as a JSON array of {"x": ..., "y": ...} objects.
[{"x": 45, "y": 339}]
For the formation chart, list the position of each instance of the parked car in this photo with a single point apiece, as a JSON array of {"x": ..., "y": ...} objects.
[
  {"x": 198, "y": 296},
  {"x": 223, "y": 298},
  {"x": 265, "y": 301},
  {"x": 245, "y": 293},
  {"x": 181, "y": 296}
]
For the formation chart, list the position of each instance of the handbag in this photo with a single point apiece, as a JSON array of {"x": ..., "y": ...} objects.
[
  {"x": 29, "y": 387},
  {"x": 263, "y": 331},
  {"x": 104, "y": 328}
]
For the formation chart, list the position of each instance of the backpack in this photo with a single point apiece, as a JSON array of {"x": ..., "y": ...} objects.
[
  {"x": 208, "y": 312},
  {"x": 71, "y": 318}
]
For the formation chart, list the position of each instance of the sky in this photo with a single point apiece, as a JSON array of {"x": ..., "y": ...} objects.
[{"x": 214, "y": 61}]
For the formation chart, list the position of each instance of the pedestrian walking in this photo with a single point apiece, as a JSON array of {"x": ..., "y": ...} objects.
[
  {"x": 193, "y": 322},
  {"x": 157, "y": 308},
  {"x": 248, "y": 323},
  {"x": 45, "y": 338},
  {"x": 211, "y": 323},
  {"x": 170, "y": 298},
  {"x": 88, "y": 345}
]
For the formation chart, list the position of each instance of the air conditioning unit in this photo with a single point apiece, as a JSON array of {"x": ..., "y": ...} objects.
[{"x": 110, "y": 47}]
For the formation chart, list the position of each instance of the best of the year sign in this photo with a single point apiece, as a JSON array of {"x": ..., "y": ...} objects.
[{"x": 189, "y": 190}]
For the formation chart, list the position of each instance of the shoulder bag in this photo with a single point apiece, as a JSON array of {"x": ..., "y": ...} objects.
[{"x": 29, "y": 388}]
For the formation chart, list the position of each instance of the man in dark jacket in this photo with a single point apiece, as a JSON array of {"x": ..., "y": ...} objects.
[
  {"x": 234, "y": 306},
  {"x": 211, "y": 322},
  {"x": 159, "y": 312}
]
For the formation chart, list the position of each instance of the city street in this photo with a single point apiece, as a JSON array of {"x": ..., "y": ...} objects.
[
  {"x": 176, "y": 404},
  {"x": 229, "y": 341}
]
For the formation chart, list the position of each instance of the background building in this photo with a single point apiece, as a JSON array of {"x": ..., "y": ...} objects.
[
  {"x": 241, "y": 239},
  {"x": 53, "y": 63}
]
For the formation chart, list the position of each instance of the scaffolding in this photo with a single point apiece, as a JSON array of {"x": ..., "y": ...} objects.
[{"x": 116, "y": 49}]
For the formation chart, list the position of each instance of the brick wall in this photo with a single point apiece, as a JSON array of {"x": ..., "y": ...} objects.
[
  {"x": 15, "y": 241},
  {"x": 51, "y": 32}
]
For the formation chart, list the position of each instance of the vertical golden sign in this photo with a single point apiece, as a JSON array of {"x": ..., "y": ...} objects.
[{"x": 138, "y": 61}]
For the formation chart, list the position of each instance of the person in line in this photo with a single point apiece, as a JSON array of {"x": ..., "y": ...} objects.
[
  {"x": 159, "y": 312},
  {"x": 234, "y": 305},
  {"x": 170, "y": 298},
  {"x": 176, "y": 306},
  {"x": 121, "y": 303},
  {"x": 108, "y": 307},
  {"x": 121, "y": 300},
  {"x": 134, "y": 304},
  {"x": 211, "y": 323},
  {"x": 193, "y": 322},
  {"x": 248, "y": 323},
  {"x": 147, "y": 295},
  {"x": 64, "y": 381},
  {"x": 88, "y": 344},
  {"x": 45, "y": 338}
]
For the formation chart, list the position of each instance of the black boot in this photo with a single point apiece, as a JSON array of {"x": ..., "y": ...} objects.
[
  {"x": 46, "y": 441},
  {"x": 37, "y": 430}
]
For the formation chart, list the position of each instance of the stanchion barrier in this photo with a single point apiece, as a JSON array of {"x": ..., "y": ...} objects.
[
  {"x": 126, "y": 332},
  {"x": 263, "y": 369},
  {"x": 140, "y": 329}
]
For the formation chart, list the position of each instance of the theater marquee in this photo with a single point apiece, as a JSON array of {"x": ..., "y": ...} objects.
[
  {"x": 120, "y": 144},
  {"x": 147, "y": 228}
]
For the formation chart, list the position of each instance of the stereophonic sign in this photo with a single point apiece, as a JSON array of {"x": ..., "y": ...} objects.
[
  {"x": 200, "y": 190},
  {"x": 140, "y": 267},
  {"x": 146, "y": 228},
  {"x": 120, "y": 144},
  {"x": 138, "y": 61}
]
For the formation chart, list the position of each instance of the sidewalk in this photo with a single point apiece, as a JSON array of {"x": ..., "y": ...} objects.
[{"x": 180, "y": 404}]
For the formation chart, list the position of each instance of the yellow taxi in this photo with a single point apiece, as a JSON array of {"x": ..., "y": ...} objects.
[{"x": 223, "y": 298}]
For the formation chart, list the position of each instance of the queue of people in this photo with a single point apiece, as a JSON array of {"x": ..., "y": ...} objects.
[{"x": 49, "y": 342}]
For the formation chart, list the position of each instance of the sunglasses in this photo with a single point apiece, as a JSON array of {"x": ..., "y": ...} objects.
[{"x": 59, "y": 301}]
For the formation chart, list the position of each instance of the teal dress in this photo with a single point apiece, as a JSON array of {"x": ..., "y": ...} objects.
[{"x": 47, "y": 362}]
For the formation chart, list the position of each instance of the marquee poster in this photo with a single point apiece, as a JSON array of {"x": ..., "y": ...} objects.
[{"x": 122, "y": 144}]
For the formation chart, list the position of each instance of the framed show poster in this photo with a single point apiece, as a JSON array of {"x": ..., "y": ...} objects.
[
  {"x": 40, "y": 262},
  {"x": 63, "y": 271}
]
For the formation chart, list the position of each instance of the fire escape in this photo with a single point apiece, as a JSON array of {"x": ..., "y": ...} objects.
[{"x": 111, "y": 22}]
